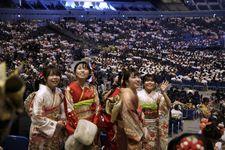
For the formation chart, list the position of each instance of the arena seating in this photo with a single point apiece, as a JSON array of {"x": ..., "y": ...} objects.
[{"x": 13, "y": 142}]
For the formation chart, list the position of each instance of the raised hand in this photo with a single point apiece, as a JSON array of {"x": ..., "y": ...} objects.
[{"x": 164, "y": 86}]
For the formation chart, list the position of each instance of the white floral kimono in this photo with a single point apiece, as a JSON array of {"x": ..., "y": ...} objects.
[
  {"x": 47, "y": 110},
  {"x": 156, "y": 119}
]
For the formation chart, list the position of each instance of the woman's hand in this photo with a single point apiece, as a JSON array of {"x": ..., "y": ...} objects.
[
  {"x": 114, "y": 137},
  {"x": 61, "y": 123},
  {"x": 164, "y": 86},
  {"x": 146, "y": 135},
  {"x": 115, "y": 132},
  {"x": 60, "y": 126}
]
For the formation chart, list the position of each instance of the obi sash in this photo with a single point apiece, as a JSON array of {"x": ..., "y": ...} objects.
[
  {"x": 150, "y": 110},
  {"x": 85, "y": 109}
]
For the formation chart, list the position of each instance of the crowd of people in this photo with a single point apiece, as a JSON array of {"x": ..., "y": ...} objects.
[
  {"x": 124, "y": 55},
  {"x": 169, "y": 47},
  {"x": 186, "y": 49}
]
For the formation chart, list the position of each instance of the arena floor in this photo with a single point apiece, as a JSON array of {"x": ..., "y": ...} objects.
[{"x": 190, "y": 126}]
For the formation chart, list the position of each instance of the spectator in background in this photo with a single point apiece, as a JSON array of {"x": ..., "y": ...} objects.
[
  {"x": 213, "y": 129},
  {"x": 204, "y": 108},
  {"x": 176, "y": 112},
  {"x": 196, "y": 98}
]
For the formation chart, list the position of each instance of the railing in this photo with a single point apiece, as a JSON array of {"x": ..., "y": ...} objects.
[
  {"x": 198, "y": 87},
  {"x": 27, "y": 14}
]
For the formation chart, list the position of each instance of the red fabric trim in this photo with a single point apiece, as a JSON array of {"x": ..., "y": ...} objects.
[{"x": 115, "y": 92}]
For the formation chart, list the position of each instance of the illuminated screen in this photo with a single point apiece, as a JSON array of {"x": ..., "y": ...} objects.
[{"x": 87, "y": 4}]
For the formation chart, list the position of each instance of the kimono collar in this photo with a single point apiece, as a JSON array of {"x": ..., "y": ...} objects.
[
  {"x": 87, "y": 85},
  {"x": 44, "y": 88}
]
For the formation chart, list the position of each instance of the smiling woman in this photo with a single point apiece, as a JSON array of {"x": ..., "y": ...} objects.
[
  {"x": 81, "y": 102},
  {"x": 46, "y": 131},
  {"x": 130, "y": 131},
  {"x": 155, "y": 106}
]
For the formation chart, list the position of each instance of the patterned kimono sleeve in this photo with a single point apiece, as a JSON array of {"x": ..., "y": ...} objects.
[
  {"x": 163, "y": 109},
  {"x": 63, "y": 114},
  {"x": 43, "y": 125},
  {"x": 163, "y": 123},
  {"x": 72, "y": 119},
  {"x": 98, "y": 107},
  {"x": 131, "y": 122},
  {"x": 96, "y": 97},
  {"x": 69, "y": 101}
]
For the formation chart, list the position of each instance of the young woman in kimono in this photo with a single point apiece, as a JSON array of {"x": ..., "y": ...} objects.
[
  {"x": 129, "y": 120},
  {"x": 81, "y": 99},
  {"x": 47, "y": 130},
  {"x": 110, "y": 98},
  {"x": 155, "y": 106}
]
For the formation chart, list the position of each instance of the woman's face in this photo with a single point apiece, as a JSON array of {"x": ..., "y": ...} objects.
[
  {"x": 52, "y": 81},
  {"x": 82, "y": 72},
  {"x": 149, "y": 85},
  {"x": 134, "y": 81}
]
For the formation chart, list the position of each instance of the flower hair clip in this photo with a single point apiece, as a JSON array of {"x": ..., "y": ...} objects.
[{"x": 190, "y": 143}]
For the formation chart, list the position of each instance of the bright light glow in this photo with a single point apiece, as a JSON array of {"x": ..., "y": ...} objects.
[
  {"x": 87, "y": 4},
  {"x": 111, "y": 7},
  {"x": 97, "y": 7},
  {"x": 70, "y": 4},
  {"x": 96, "y": 4},
  {"x": 103, "y": 5}
]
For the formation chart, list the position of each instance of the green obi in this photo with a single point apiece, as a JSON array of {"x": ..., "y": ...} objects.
[
  {"x": 150, "y": 110},
  {"x": 88, "y": 102}
]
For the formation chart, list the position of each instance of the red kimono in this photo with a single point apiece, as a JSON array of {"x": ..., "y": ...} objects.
[
  {"x": 80, "y": 103},
  {"x": 108, "y": 125}
]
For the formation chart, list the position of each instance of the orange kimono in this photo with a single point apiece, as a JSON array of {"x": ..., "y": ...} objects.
[{"x": 80, "y": 103}]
